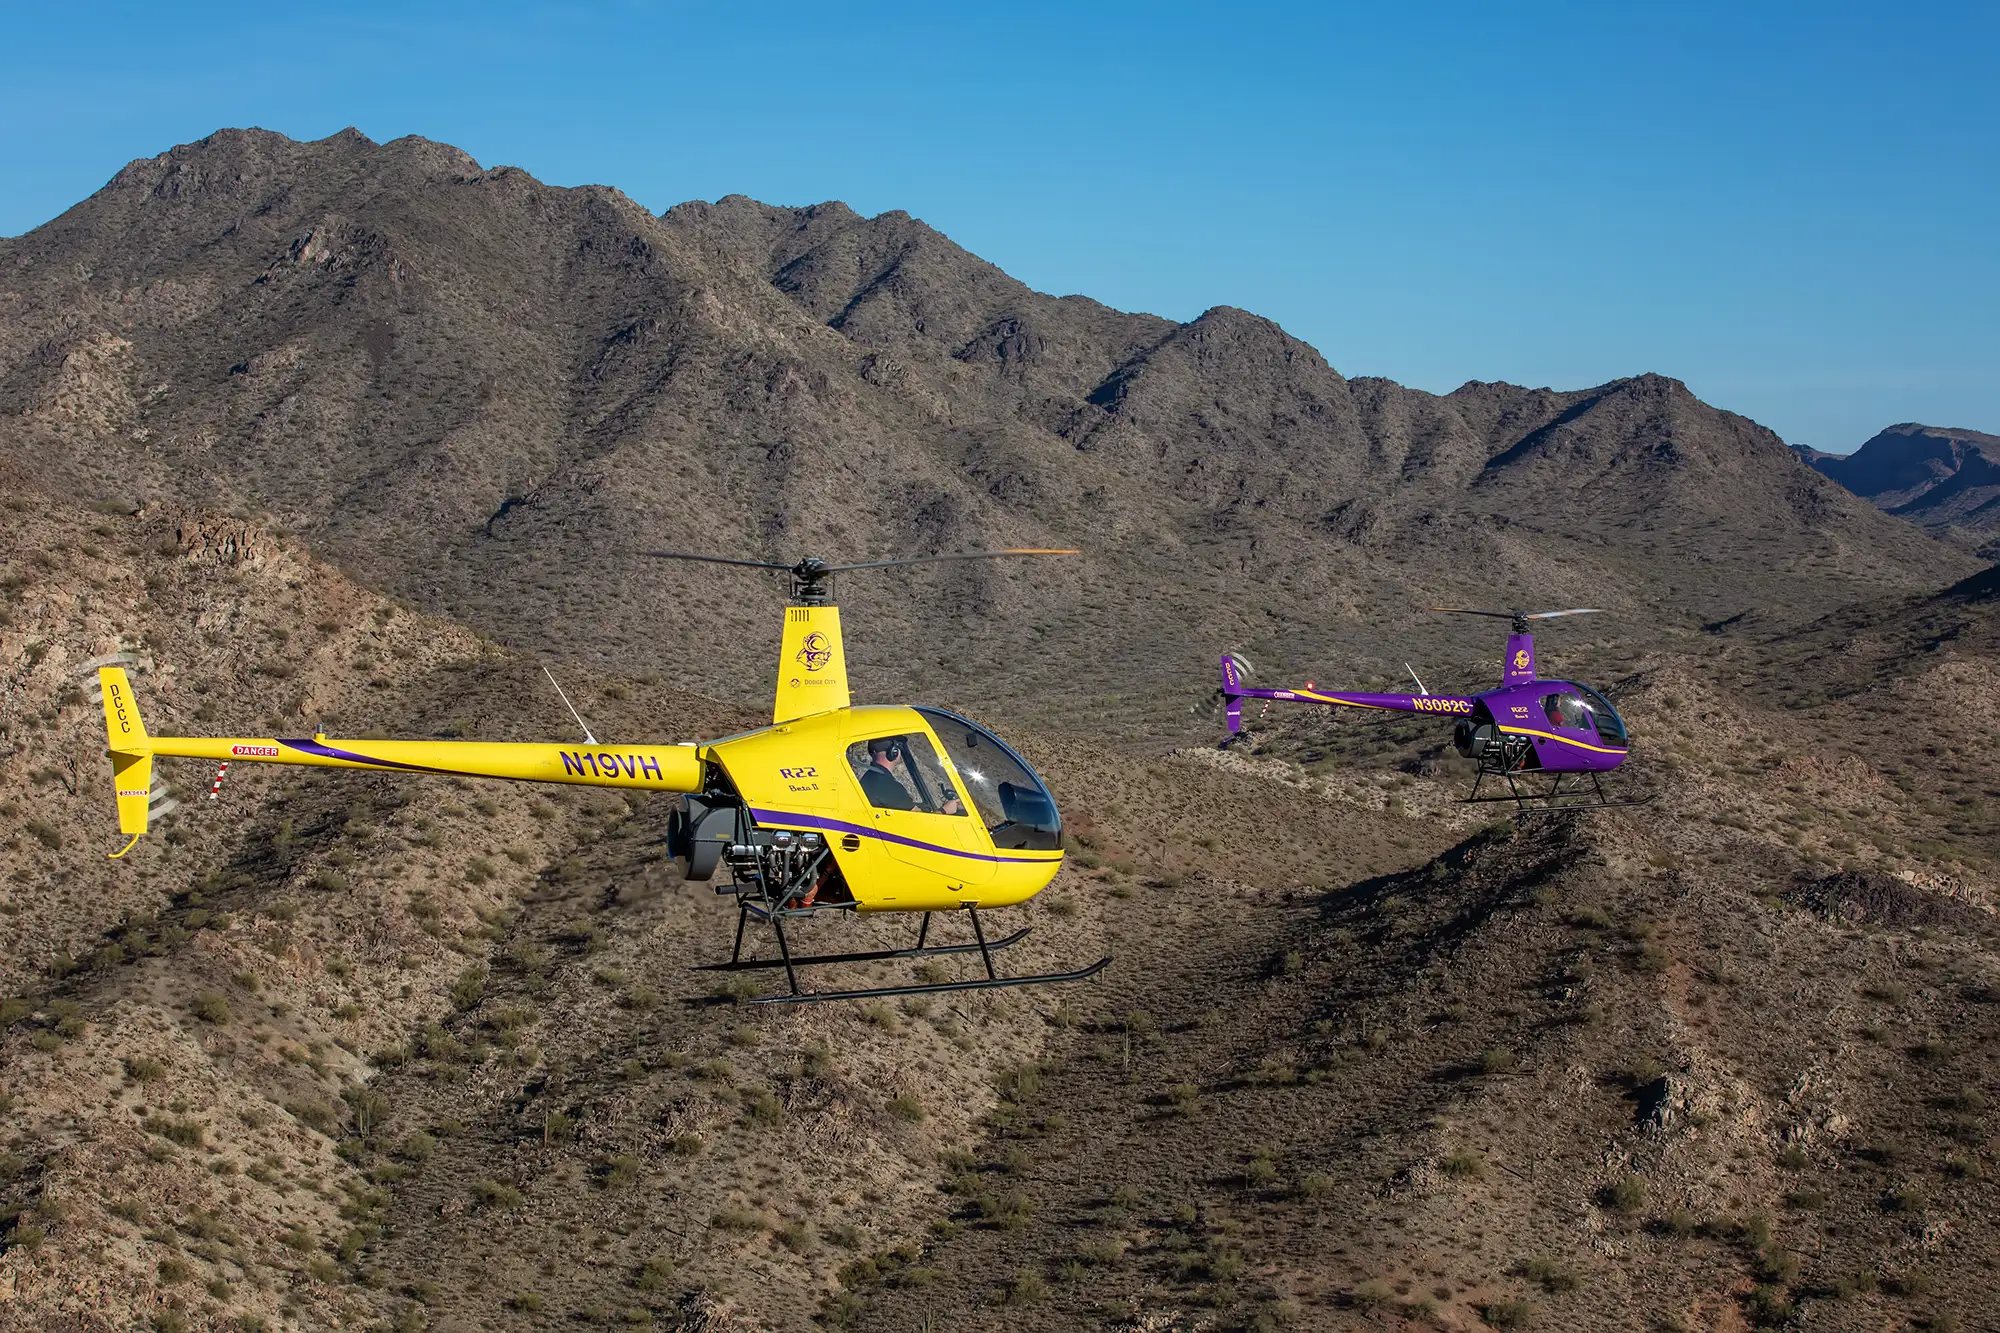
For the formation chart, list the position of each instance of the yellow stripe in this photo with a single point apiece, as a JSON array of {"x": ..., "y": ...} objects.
[{"x": 1529, "y": 731}]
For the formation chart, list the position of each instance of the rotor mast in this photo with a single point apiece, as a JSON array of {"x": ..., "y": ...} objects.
[{"x": 812, "y": 662}]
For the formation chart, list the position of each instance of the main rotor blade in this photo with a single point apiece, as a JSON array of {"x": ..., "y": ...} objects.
[
  {"x": 1525, "y": 615},
  {"x": 955, "y": 555},
  {"x": 714, "y": 559}
]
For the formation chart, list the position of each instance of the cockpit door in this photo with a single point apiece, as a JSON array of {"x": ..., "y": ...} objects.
[{"x": 921, "y": 818}]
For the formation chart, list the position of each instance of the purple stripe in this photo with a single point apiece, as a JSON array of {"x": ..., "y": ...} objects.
[
  {"x": 328, "y": 752},
  {"x": 841, "y": 826}
]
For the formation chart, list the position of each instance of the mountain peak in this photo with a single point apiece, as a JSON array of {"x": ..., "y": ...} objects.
[{"x": 1946, "y": 478}]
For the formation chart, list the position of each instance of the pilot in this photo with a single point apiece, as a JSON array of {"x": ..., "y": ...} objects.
[{"x": 884, "y": 789}]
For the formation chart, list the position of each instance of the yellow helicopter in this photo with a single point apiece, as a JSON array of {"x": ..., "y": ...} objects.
[{"x": 830, "y": 808}]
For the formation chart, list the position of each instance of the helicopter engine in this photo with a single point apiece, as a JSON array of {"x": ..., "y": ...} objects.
[
  {"x": 699, "y": 833},
  {"x": 779, "y": 866},
  {"x": 1496, "y": 751},
  {"x": 1471, "y": 739}
]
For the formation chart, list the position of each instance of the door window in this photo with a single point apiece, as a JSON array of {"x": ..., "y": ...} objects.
[
  {"x": 1566, "y": 710},
  {"x": 902, "y": 772}
]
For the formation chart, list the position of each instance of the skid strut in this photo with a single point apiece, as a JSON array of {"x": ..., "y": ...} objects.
[
  {"x": 922, "y": 949},
  {"x": 1553, "y": 801}
]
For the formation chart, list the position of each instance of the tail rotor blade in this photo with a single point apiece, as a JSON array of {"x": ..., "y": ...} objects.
[{"x": 1212, "y": 703}]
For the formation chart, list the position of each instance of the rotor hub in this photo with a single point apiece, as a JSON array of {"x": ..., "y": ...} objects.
[{"x": 812, "y": 581}]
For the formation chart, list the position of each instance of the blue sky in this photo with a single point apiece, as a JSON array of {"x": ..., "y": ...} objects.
[{"x": 1791, "y": 207}]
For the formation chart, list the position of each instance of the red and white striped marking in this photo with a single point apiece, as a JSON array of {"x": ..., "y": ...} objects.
[{"x": 215, "y": 788}]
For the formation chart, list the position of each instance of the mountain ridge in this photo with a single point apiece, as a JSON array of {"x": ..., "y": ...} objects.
[
  {"x": 1945, "y": 479},
  {"x": 387, "y": 1049},
  {"x": 485, "y": 395}
]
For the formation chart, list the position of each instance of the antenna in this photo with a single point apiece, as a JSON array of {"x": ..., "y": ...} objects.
[
  {"x": 1414, "y": 676},
  {"x": 588, "y": 738}
]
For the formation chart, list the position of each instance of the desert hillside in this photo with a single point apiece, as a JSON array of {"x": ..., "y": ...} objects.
[{"x": 360, "y": 437}]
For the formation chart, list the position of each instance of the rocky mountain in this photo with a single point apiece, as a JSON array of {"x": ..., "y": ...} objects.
[
  {"x": 1945, "y": 480},
  {"x": 360, "y": 434},
  {"x": 485, "y": 396}
]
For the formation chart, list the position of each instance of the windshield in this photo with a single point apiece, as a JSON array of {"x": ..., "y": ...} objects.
[
  {"x": 1610, "y": 726},
  {"x": 1012, "y": 802}
]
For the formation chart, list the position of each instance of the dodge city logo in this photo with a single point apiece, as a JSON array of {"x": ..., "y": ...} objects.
[
  {"x": 1521, "y": 659},
  {"x": 814, "y": 653}
]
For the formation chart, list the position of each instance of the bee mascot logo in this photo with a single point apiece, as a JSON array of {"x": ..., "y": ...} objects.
[
  {"x": 813, "y": 652},
  {"x": 1521, "y": 660}
]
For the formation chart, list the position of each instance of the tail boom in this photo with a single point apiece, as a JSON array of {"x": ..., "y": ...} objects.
[
  {"x": 1444, "y": 705},
  {"x": 668, "y": 768},
  {"x": 674, "y": 768}
]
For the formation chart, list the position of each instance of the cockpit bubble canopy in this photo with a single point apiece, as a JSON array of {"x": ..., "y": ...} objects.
[
  {"x": 1012, "y": 802},
  {"x": 1610, "y": 726}
]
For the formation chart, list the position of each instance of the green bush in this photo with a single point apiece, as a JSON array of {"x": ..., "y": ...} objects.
[
  {"x": 187, "y": 1133},
  {"x": 1627, "y": 1194},
  {"x": 145, "y": 1069},
  {"x": 1026, "y": 1288},
  {"x": 1313, "y": 1186},
  {"x": 1549, "y": 1275},
  {"x": 1507, "y": 1314},
  {"x": 470, "y": 988},
  {"x": 761, "y": 1106},
  {"x": 1020, "y": 1083},
  {"x": 1769, "y": 1307},
  {"x": 494, "y": 1194},
  {"x": 1463, "y": 1165},
  {"x": 210, "y": 1007}
]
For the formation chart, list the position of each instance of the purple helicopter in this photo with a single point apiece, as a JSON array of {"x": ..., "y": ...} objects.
[{"x": 1527, "y": 726}]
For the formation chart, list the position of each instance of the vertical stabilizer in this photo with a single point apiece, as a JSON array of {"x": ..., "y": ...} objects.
[
  {"x": 1519, "y": 668},
  {"x": 1232, "y": 698},
  {"x": 812, "y": 665},
  {"x": 131, "y": 750}
]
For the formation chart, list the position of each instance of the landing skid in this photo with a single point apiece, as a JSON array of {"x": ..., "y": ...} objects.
[
  {"x": 790, "y": 962},
  {"x": 1553, "y": 801}
]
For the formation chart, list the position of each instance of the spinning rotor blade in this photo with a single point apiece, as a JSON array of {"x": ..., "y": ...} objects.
[
  {"x": 1518, "y": 615},
  {"x": 1211, "y": 704},
  {"x": 954, "y": 555},
  {"x": 714, "y": 559}
]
